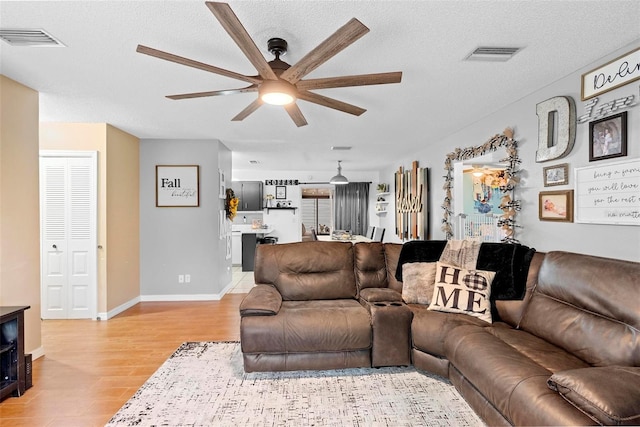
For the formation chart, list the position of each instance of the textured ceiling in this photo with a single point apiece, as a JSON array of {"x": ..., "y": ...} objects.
[{"x": 99, "y": 77}]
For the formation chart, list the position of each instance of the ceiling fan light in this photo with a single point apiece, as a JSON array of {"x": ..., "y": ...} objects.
[
  {"x": 277, "y": 98},
  {"x": 277, "y": 92},
  {"x": 339, "y": 179}
]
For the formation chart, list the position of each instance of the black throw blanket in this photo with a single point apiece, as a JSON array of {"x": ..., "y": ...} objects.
[{"x": 509, "y": 261}]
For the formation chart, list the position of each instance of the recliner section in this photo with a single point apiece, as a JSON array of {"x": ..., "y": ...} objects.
[{"x": 329, "y": 305}]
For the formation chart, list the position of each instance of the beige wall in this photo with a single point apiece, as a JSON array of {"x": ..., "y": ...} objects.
[
  {"x": 19, "y": 206},
  {"x": 118, "y": 273},
  {"x": 123, "y": 232}
]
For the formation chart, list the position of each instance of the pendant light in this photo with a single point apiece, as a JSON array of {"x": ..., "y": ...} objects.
[{"x": 339, "y": 179}]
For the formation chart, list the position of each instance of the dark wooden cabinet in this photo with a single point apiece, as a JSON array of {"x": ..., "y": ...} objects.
[
  {"x": 249, "y": 193},
  {"x": 12, "y": 362}
]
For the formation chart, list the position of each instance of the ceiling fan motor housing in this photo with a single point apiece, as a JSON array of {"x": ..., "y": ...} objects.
[{"x": 277, "y": 46}]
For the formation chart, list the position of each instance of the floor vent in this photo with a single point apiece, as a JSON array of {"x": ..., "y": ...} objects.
[
  {"x": 493, "y": 54},
  {"x": 29, "y": 38}
]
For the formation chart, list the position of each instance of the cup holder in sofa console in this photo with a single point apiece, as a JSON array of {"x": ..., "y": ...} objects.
[{"x": 391, "y": 322}]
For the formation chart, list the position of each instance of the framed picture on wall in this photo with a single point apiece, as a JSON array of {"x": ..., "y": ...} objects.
[
  {"x": 177, "y": 186},
  {"x": 556, "y": 206},
  {"x": 281, "y": 192},
  {"x": 222, "y": 191},
  {"x": 556, "y": 175},
  {"x": 608, "y": 137}
]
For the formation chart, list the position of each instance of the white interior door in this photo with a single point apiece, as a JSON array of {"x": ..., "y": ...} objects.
[{"x": 68, "y": 206}]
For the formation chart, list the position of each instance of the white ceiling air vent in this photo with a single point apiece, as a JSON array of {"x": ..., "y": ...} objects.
[
  {"x": 29, "y": 37},
  {"x": 340, "y": 148},
  {"x": 492, "y": 54}
]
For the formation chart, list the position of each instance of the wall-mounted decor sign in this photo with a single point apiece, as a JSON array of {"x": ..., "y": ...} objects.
[
  {"x": 281, "y": 182},
  {"x": 611, "y": 75},
  {"x": 556, "y": 206},
  {"x": 177, "y": 186},
  {"x": 281, "y": 192},
  {"x": 608, "y": 137},
  {"x": 412, "y": 203},
  {"x": 609, "y": 194},
  {"x": 562, "y": 124}
]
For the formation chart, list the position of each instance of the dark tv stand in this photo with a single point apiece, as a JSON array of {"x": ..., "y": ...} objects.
[{"x": 12, "y": 362}]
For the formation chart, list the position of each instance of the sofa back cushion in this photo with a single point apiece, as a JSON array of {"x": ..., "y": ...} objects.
[
  {"x": 370, "y": 265},
  {"x": 307, "y": 270},
  {"x": 392, "y": 256},
  {"x": 589, "y": 306}
]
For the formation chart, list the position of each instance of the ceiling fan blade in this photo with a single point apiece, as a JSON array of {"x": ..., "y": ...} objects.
[
  {"x": 233, "y": 26},
  {"x": 250, "y": 109},
  {"x": 195, "y": 64},
  {"x": 346, "y": 81},
  {"x": 252, "y": 88},
  {"x": 347, "y": 34},
  {"x": 295, "y": 114},
  {"x": 330, "y": 102}
]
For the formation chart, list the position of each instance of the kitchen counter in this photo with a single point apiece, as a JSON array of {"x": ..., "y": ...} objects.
[{"x": 248, "y": 229}]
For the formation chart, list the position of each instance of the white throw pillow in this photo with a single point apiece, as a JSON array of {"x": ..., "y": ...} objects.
[{"x": 457, "y": 290}]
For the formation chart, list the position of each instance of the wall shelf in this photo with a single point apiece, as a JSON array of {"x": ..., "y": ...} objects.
[{"x": 287, "y": 208}]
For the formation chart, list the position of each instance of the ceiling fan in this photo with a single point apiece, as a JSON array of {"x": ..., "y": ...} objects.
[{"x": 278, "y": 82}]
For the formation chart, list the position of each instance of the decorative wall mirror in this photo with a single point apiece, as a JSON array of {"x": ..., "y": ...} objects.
[{"x": 490, "y": 176}]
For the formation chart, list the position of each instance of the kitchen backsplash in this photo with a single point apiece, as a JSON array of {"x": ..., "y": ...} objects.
[{"x": 246, "y": 217}]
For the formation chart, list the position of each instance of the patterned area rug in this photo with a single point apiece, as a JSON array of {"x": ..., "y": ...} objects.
[{"x": 204, "y": 384}]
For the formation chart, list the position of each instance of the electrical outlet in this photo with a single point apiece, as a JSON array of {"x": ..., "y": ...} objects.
[
  {"x": 180, "y": 278},
  {"x": 187, "y": 278}
]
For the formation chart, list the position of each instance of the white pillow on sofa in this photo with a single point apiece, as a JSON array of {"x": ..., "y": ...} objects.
[
  {"x": 418, "y": 279},
  {"x": 457, "y": 290}
]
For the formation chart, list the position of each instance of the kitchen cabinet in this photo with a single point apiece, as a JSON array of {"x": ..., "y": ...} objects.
[
  {"x": 249, "y": 194},
  {"x": 236, "y": 247}
]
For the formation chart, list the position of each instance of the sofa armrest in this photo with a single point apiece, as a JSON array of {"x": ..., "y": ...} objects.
[
  {"x": 609, "y": 395},
  {"x": 380, "y": 295},
  {"x": 262, "y": 300}
]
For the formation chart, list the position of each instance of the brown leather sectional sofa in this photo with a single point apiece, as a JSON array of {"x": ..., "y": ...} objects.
[{"x": 567, "y": 354}]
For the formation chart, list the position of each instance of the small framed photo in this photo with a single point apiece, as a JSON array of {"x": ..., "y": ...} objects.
[
  {"x": 556, "y": 175},
  {"x": 555, "y": 206},
  {"x": 608, "y": 137},
  {"x": 177, "y": 186},
  {"x": 281, "y": 192}
]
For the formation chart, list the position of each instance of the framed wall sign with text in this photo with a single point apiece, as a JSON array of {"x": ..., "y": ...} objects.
[{"x": 177, "y": 186}]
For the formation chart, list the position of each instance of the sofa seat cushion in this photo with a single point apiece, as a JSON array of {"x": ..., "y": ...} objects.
[
  {"x": 591, "y": 391},
  {"x": 430, "y": 328},
  {"x": 509, "y": 379},
  {"x": 545, "y": 354},
  {"x": 307, "y": 327}
]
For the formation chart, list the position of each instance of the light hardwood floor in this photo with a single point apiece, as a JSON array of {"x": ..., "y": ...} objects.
[{"x": 91, "y": 368}]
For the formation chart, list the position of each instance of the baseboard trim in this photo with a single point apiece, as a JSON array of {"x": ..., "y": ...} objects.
[
  {"x": 37, "y": 353},
  {"x": 187, "y": 297},
  {"x": 119, "y": 309}
]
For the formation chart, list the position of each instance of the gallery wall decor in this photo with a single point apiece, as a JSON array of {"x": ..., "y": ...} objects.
[
  {"x": 608, "y": 193},
  {"x": 608, "y": 137},
  {"x": 177, "y": 185},
  {"x": 556, "y": 116},
  {"x": 509, "y": 205},
  {"x": 619, "y": 72},
  {"x": 555, "y": 206},
  {"x": 412, "y": 203}
]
